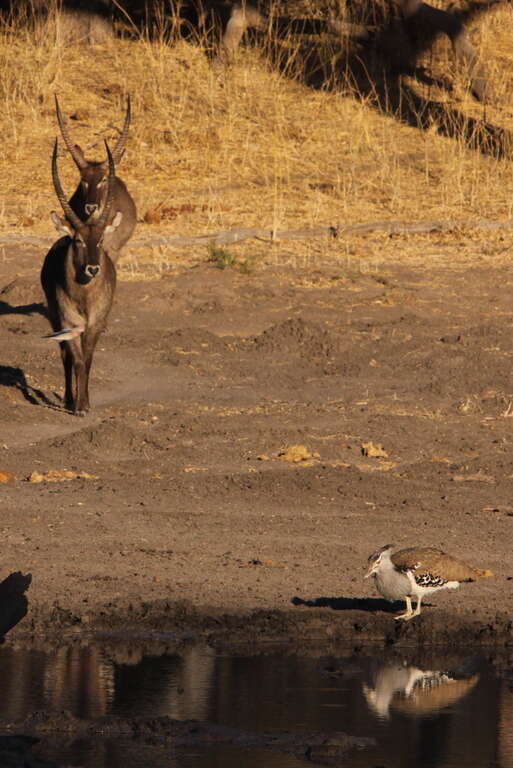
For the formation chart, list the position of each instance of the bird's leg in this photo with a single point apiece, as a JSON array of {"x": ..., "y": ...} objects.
[
  {"x": 408, "y": 614},
  {"x": 417, "y": 607}
]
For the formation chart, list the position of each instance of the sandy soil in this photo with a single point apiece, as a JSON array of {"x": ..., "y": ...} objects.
[{"x": 190, "y": 520}]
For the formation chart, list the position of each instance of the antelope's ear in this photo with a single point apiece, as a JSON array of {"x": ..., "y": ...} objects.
[
  {"x": 116, "y": 221},
  {"x": 61, "y": 225},
  {"x": 80, "y": 152}
]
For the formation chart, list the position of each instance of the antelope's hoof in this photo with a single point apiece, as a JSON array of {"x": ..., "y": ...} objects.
[
  {"x": 404, "y": 616},
  {"x": 82, "y": 412}
]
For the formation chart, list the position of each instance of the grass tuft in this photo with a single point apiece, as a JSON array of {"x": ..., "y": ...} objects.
[{"x": 222, "y": 258}]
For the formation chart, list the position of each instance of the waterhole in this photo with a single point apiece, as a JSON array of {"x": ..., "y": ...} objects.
[{"x": 351, "y": 708}]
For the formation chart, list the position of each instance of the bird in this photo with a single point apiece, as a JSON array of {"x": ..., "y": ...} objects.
[
  {"x": 415, "y": 691},
  {"x": 417, "y": 571}
]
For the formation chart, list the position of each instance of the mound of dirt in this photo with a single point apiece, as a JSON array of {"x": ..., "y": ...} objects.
[
  {"x": 190, "y": 339},
  {"x": 111, "y": 438},
  {"x": 450, "y": 370},
  {"x": 177, "y": 347},
  {"x": 296, "y": 336}
]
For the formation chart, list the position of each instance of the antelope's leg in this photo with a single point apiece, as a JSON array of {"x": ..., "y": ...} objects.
[
  {"x": 67, "y": 362},
  {"x": 80, "y": 403},
  {"x": 90, "y": 340},
  {"x": 233, "y": 33}
]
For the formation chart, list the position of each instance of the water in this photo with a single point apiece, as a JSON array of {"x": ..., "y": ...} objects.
[{"x": 440, "y": 710}]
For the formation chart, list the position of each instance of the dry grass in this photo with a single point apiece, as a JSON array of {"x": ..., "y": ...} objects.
[{"x": 217, "y": 147}]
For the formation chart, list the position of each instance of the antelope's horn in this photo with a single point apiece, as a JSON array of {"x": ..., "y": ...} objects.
[
  {"x": 111, "y": 180},
  {"x": 66, "y": 207},
  {"x": 117, "y": 152},
  {"x": 77, "y": 157}
]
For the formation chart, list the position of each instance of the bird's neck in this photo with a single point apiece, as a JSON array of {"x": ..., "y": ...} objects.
[{"x": 386, "y": 565}]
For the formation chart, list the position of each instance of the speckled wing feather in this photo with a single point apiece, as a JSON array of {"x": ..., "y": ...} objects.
[
  {"x": 432, "y": 695},
  {"x": 435, "y": 563}
]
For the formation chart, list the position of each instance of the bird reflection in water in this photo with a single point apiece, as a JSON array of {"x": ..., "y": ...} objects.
[{"x": 414, "y": 691}]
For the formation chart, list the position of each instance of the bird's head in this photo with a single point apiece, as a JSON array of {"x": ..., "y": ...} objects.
[{"x": 376, "y": 559}]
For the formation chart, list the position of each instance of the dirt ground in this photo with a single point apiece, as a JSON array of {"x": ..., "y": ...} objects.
[{"x": 188, "y": 518}]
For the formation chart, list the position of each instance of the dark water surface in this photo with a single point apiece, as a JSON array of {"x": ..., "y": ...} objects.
[{"x": 429, "y": 711}]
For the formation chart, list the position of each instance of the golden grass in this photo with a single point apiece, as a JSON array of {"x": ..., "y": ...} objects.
[{"x": 217, "y": 147}]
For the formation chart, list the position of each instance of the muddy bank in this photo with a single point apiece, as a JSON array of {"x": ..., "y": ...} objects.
[
  {"x": 43, "y": 727},
  {"x": 16, "y": 752},
  {"x": 219, "y": 487},
  {"x": 351, "y": 621}
]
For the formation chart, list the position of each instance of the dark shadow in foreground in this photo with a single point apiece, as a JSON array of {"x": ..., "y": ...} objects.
[
  {"x": 11, "y": 376},
  {"x": 19, "y": 309},
  {"x": 16, "y": 752},
  {"x": 36, "y": 307},
  {"x": 13, "y": 601}
]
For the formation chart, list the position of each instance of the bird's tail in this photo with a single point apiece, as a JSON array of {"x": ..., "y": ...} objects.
[{"x": 484, "y": 573}]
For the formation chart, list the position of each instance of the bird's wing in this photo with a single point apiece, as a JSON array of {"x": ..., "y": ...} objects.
[
  {"x": 434, "y": 695},
  {"x": 427, "y": 560}
]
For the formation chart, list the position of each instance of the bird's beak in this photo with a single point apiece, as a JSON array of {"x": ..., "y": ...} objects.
[{"x": 370, "y": 571}]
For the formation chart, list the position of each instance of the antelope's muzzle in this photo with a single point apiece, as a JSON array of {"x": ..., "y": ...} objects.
[
  {"x": 92, "y": 209},
  {"x": 91, "y": 270}
]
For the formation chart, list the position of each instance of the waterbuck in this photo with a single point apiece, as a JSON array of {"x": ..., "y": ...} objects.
[
  {"x": 89, "y": 197},
  {"x": 80, "y": 25},
  {"x": 79, "y": 279}
]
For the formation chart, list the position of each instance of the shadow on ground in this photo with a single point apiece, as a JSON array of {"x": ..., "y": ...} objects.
[
  {"x": 12, "y": 376},
  {"x": 369, "y": 604},
  {"x": 366, "y": 53},
  {"x": 13, "y": 601},
  {"x": 23, "y": 309},
  {"x": 372, "y": 64}
]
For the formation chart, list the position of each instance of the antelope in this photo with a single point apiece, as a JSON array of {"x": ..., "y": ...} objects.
[
  {"x": 79, "y": 278},
  {"x": 89, "y": 197},
  {"x": 81, "y": 26},
  {"x": 242, "y": 16}
]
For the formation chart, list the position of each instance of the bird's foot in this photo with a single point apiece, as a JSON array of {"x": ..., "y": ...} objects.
[{"x": 406, "y": 616}]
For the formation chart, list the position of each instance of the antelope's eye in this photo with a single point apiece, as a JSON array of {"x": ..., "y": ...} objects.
[
  {"x": 85, "y": 185},
  {"x": 101, "y": 183}
]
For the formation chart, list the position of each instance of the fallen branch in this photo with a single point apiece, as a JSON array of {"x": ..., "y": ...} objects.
[
  {"x": 239, "y": 234},
  {"x": 421, "y": 227}
]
